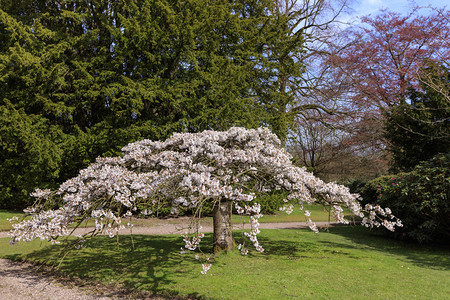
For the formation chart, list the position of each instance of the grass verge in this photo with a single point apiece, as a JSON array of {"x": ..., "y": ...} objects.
[{"x": 347, "y": 262}]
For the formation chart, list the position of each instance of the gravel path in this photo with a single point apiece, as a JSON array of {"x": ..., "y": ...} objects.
[{"x": 22, "y": 281}]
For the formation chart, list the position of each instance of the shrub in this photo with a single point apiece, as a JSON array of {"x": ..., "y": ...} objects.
[
  {"x": 373, "y": 189},
  {"x": 419, "y": 198},
  {"x": 271, "y": 202},
  {"x": 355, "y": 184}
]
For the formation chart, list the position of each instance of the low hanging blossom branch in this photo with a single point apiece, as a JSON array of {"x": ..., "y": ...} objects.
[{"x": 184, "y": 172}]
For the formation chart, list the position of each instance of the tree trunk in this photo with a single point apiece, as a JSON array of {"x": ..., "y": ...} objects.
[{"x": 223, "y": 233}]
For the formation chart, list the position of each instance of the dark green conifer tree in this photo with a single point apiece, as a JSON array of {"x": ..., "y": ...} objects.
[
  {"x": 419, "y": 129},
  {"x": 103, "y": 73}
]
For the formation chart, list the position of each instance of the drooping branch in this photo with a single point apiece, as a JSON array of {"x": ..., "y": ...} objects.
[{"x": 187, "y": 169}]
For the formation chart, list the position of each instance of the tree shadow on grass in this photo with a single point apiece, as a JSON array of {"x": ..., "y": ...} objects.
[
  {"x": 152, "y": 266},
  {"x": 156, "y": 263},
  {"x": 298, "y": 249},
  {"x": 432, "y": 257},
  {"x": 290, "y": 249},
  {"x": 429, "y": 256}
]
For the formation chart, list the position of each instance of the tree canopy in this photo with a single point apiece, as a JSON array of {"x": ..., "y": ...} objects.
[
  {"x": 420, "y": 129},
  {"x": 386, "y": 53},
  {"x": 369, "y": 69},
  {"x": 101, "y": 74}
]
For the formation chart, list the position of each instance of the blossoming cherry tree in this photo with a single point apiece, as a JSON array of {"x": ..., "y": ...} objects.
[{"x": 188, "y": 170}]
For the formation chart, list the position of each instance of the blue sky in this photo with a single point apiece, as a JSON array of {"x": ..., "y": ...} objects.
[{"x": 365, "y": 7}]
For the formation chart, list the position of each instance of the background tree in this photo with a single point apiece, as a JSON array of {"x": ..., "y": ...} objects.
[
  {"x": 345, "y": 153},
  {"x": 29, "y": 157},
  {"x": 386, "y": 54},
  {"x": 104, "y": 73},
  {"x": 419, "y": 130},
  {"x": 367, "y": 69},
  {"x": 316, "y": 22}
]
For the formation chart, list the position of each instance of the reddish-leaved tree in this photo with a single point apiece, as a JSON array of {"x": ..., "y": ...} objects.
[{"x": 386, "y": 53}]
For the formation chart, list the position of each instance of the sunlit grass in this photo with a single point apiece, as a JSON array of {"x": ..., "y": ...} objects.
[
  {"x": 4, "y": 216},
  {"x": 347, "y": 262}
]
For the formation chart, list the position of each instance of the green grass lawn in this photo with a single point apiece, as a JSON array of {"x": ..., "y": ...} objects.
[
  {"x": 4, "y": 216},
  {"x": 346, "y": 263}
]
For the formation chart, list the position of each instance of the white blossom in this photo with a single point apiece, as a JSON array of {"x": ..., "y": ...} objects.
[{"x": 183, "y": 171}]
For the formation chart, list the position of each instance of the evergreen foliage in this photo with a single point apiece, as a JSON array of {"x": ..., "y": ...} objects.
[
  {"x": 420, "y": 198},
  {"x": 30, "y": 155},
  {"x": 420, "y": 130},
  {"x": 88, "y": 77}
]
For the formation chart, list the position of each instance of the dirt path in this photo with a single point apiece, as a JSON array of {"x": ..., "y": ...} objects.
[
  {"x": 181, "y": 225},
  {"x": 22, "y": 281}
]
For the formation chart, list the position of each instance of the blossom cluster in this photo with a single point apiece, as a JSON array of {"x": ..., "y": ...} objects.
[
  {"x": 192, "y": 244},
  {"x": 254, "y": 213},
  {"x": 183, "y": 172},
  {"x": 372, "y": 220}
]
